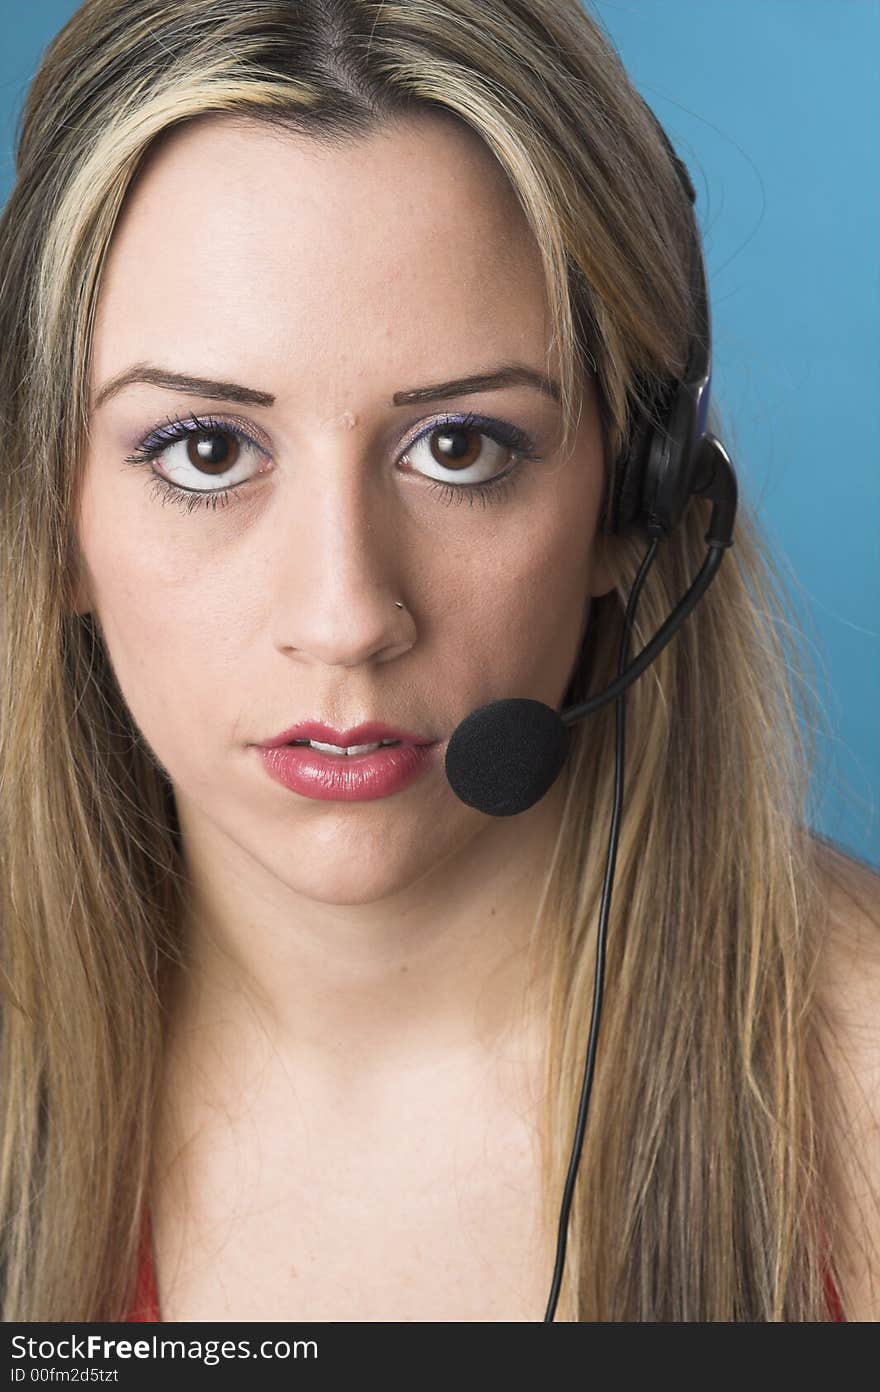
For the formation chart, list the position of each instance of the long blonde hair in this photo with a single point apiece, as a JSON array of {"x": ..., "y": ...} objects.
[{"x": 700, "y": 1195}]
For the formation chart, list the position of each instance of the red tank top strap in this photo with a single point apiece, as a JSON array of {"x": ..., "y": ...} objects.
[
  {"x": 145, "y": 1306},
  {"x": 832, "y": 1298}
]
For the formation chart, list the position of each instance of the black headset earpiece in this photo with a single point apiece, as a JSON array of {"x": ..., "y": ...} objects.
[{"x": 660, "y": 468}]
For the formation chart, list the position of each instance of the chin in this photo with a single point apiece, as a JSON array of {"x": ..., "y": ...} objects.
[{"x": 353, "y": 885}]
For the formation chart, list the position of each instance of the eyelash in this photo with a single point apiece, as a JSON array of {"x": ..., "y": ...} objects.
[{"x": 173, "y": 429}]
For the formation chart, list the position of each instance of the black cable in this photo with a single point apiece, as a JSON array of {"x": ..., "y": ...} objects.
[
  {"x": 664, "y": 634},
  {"x": 610, "y": 864}
]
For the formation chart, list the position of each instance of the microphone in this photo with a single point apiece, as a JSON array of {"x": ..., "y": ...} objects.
[{"x": 504, "y": 756}]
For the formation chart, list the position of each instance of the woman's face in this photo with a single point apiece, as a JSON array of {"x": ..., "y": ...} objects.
[{"x": 325, "y": 282}]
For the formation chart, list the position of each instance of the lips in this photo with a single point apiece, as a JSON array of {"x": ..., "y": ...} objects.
[
  {"x": 370, "y": 732},
  {"x": 348, "y": 777}
]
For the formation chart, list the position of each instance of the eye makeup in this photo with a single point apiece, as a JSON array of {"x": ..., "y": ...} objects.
[{"x": 173, "y": 430}]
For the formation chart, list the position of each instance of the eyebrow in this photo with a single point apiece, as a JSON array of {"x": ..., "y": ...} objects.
[{"x": 508, "y": 375}]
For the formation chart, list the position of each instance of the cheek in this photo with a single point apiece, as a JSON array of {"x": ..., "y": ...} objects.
[
  {"x": 529, "y": 604},
  {"x": 164, "y": 625},
  {"x": 149, "y": 572}
]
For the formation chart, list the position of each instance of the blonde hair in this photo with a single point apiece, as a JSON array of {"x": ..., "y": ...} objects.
[{"x": 700, "y": 1194}]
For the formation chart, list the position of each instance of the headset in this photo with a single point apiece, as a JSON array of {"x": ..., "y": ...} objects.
[{"x": 504, "y": 756}]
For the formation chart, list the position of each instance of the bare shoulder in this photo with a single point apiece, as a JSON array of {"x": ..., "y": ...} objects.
[
  {"x": 851, "y": 938},
  {"x": 849, "y": 993}
]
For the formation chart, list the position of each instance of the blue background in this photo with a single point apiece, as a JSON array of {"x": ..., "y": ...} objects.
[{"x": 773, "y": 105}]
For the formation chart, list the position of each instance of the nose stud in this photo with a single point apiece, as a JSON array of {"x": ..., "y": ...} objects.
[{"x": 398, "y": 603}]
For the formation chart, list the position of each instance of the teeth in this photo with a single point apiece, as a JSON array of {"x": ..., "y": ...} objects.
[
  {"x": 341, "y": 749},
  {"x": 346, "y": 750}
]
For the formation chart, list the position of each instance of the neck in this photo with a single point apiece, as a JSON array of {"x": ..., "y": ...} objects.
[{"x": 444, "y": 967}]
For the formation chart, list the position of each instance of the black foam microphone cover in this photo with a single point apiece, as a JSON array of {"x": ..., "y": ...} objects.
[{"x": 504, "y": 756}]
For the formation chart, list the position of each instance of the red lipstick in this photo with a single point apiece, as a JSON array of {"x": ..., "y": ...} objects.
[{"x": 337, "y": 777}]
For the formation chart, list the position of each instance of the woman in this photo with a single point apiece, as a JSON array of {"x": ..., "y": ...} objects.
[{"x": 311, "y": 1039}]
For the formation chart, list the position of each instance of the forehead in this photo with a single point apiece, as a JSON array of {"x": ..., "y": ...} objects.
[{"x": 244, "y": 247}]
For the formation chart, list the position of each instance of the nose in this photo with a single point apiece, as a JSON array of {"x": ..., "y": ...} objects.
[{"x": 339, "y": 566}]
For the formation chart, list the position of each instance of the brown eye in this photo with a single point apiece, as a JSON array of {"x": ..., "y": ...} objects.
[
  {"x": 212, "y": 451},
  {"x": 464, "y": 452},
  {"x": 456, "y": 447},
  {"x": 190, "y": 458}
]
